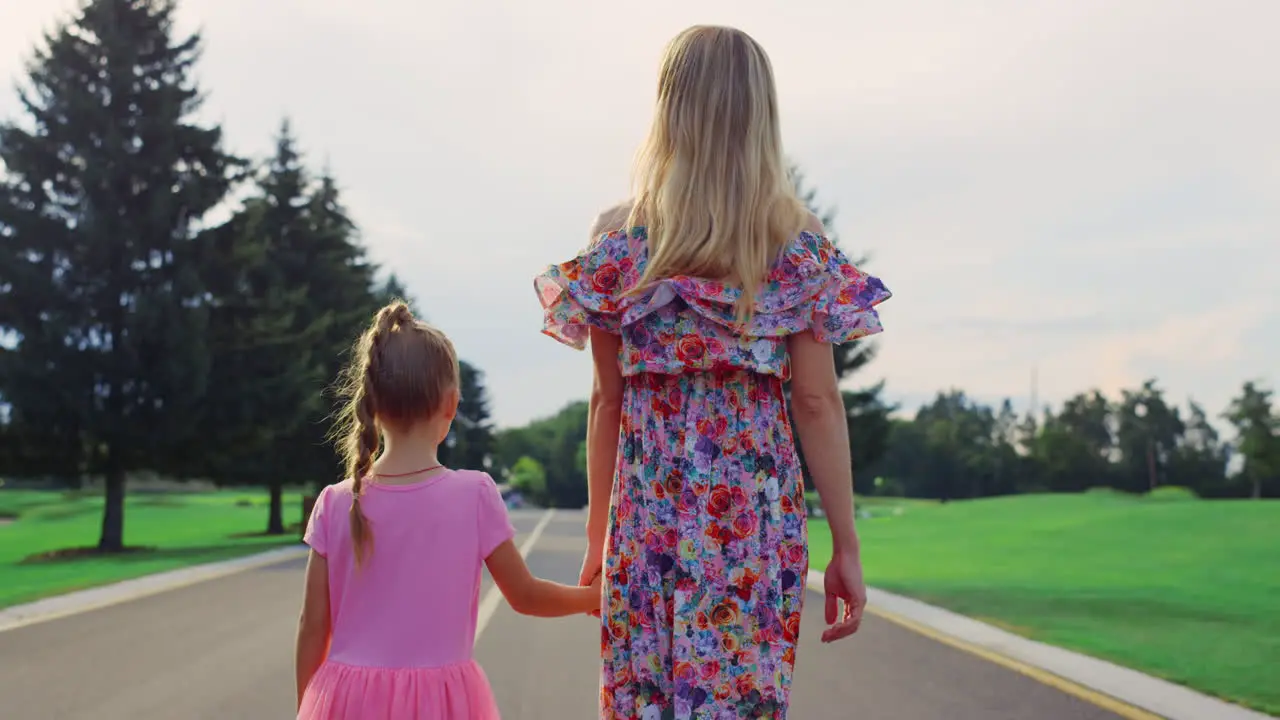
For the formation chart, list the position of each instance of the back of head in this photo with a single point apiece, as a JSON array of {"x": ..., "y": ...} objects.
[
  {"x": 712, "y": 185},
  {"x": 402, "y": 372}
]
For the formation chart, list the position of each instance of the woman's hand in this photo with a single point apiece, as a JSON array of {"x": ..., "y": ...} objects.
[
  {"x": 592, "y": 566},
  {"x": 844, "y": 587}
]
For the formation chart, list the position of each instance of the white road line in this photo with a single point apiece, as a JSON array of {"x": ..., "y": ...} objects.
[{"x": 489, "y": 605}]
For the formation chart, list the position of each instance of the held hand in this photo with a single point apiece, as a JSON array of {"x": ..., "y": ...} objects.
[
  {"x": 846, "y": 597},
  {"x": 592, "y": 568},
  {"x": 595, "y": 585}
]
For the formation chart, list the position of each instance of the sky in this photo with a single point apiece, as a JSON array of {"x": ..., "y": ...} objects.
[{"x": 1086, "y": 190}]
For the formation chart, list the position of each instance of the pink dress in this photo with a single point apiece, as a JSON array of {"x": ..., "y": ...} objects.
[{"x": 404, "y": 624}]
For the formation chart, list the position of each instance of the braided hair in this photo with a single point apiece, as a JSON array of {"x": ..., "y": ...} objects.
[{"x": 401, "y": 372}]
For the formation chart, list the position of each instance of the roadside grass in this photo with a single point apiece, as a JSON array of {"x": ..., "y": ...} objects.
[
  {"x": 1180, "y": 588},
  {"x": 166, "y": 530}
]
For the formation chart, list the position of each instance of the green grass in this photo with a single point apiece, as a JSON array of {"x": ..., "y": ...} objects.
[
  {"x": 184, "y": 529},
  {"x": 1180, "y": 588}
]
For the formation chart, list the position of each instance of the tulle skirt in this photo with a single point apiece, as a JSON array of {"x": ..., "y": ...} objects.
[{"x": 450, "y": 692}]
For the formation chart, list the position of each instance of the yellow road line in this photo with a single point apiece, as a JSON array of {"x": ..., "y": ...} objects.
[{"x": 1102, "y": 700}]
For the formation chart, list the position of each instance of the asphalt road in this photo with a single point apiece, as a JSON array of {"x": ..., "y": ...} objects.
[{"x": 223, "y": 650}]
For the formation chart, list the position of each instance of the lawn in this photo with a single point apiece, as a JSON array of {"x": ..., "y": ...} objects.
[
  {"x": 1183, "y": 589},
  {"x": 184, "y": 529}
]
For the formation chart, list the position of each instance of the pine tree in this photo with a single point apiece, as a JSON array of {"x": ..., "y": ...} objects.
[
  {"x": 472, "y": 435},
  {"x": 341, "y": 293},
  {"x": 264, "y": 342},
  {"x": 106, "y": 180},
  {"x": 1257, "y": 427}
]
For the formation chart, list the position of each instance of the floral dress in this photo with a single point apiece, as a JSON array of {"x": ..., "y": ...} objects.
[{"x": 706, "y": 556}]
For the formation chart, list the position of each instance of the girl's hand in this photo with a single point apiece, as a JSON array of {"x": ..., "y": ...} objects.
[
  {"x": 844, "y": 586},
  {"x": 595, "y": 587}
]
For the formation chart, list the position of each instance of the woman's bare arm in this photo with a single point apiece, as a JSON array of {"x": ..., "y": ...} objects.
[
  {"x": 604, "y": 419},
  {"x": 819, "y": 416},
  {"x": 529, "y": 595},
  {"x": 313, "y": 624}
]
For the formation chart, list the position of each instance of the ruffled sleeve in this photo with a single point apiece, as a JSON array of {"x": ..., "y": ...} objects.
[
  {"x": 843, "y": 308},
  {"x": 586, "y": 291}
]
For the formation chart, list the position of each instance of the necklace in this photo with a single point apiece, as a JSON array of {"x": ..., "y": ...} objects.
[{"x": 415, "y": 472}]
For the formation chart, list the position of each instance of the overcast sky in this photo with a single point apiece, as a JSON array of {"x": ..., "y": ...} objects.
[{"x": 1086, "y": 187}]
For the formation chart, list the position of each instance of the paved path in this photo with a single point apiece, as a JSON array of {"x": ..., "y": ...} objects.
[{"x": 223, "y": 649}]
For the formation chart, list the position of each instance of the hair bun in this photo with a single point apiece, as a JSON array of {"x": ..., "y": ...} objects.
[{"x": 395, "y": 314}]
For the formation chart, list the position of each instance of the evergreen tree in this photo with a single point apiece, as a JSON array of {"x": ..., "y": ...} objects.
[
  {"x": 340, "y": 295},
  {"x": 393, "y": 290},
  {"x": 471, "y": 439},
  {"x": 1257, "y": 427},
  {"x": 106, "y": 179},
  {"x": 264, "y": 341}
]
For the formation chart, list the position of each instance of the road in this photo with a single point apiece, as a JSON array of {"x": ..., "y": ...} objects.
[{"x": 223, "y": 650}]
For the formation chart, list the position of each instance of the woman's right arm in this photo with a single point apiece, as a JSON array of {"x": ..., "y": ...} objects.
[
  {"x": 604, "y": 420},
  {"x": 819, "y": 416},
  {"x": 604, "y": 414}
]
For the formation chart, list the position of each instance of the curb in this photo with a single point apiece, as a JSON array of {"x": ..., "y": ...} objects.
[
  {"x": 59, "y": 606},
  {"x": 1125, "y": 692}
]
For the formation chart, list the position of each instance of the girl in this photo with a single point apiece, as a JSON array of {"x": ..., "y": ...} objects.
[
  {"x": 700, "y": 300},
  {"x": 389, "y": 616}
]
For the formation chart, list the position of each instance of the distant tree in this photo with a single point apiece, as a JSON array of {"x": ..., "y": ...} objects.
[
  {"x": 555, "y": 442},
  {"x": 1257, "y": 429},
  {"x": 529, "y": 477},
  {"x": 105, "y": 179},
  {"x": 1200, "y": 460},
  {"x": 1148, "y": 431},
  {"x": 393, "y": 290},
  {"x": 1073, "y": 448}
]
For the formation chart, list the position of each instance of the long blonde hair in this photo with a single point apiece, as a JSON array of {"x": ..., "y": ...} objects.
[
  {"x": 711, "y": 181},
  {"x": 401, "y": 372}
]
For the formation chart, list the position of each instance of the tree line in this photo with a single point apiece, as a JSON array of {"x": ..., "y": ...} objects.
[
  {"x": 165, "y": 304},
  {"x": 956, "y": 448}
]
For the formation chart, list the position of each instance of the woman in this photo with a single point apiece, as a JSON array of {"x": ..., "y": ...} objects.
[{"x": 700, "y": 299}]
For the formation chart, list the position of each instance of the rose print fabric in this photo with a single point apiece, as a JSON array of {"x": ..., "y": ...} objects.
[{"x": 706, "y": 557}]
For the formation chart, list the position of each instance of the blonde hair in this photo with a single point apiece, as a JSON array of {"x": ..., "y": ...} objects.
[
  {"x": 711, "y": 181},
  {"x": 401, "y": 372}
]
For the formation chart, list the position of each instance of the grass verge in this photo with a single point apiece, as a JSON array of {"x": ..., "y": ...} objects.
[
  {"x": 41, "y": 544},
  {"x": 1184, "y": 590}
]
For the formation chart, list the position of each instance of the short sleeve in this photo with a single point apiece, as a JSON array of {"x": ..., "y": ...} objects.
[
  {"x": 317, "y": 533},
  {"x": 493, "y": 523},
  {"x": 588, "y": 290},
  {"x": 844, "y": 308}
]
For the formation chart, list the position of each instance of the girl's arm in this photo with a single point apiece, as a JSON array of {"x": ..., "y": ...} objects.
[
  {"x": 529, "y": 595},
  {"x": 313, "y": 624},
  {"x": 604, "y": 418}
]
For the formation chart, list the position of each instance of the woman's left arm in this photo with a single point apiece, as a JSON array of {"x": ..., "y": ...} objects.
[{"x": 313, "y": 624}]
